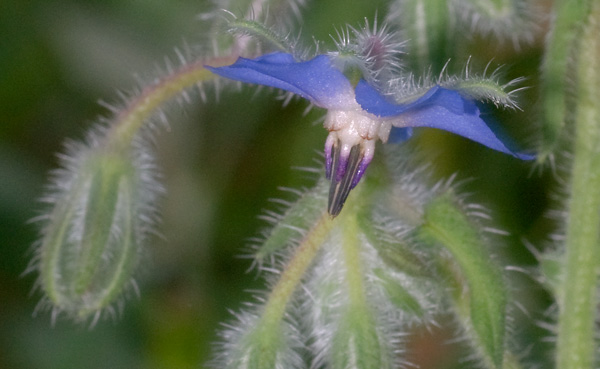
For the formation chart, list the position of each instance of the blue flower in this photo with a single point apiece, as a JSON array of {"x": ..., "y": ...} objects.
[{"x": 358, "y": 116}]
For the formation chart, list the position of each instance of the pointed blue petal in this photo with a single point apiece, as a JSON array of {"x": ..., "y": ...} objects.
[
  {"x": 442, "y": 109},
  {"x": 316, "y": 80}
]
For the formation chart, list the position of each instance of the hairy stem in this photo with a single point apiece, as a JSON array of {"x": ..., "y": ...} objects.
[
  {"x": 568, "y": 14},
  {"x": 295, "y": 270},
  {"x": 131, "y": 119},
  {"x": 578, "y": 295}
]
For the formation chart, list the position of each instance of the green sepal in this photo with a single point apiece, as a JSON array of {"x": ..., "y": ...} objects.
[
  {"x": 486, "y": 89},
  {"x": 398, "y": 294},
  {"x": 301, "y": 216},
  {"x": 261, "y": 32},
  {"x": 394, "y": 253},
  {"x": 356, "y": 343},
  {"x": 258, "y": 349},
  {"x": 90, "y": 248},
  {"x": 482, "y": 306}
]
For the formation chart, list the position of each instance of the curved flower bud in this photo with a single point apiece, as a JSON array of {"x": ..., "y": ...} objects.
[
  {"x": 91, "y": 242},
  {"x": 358, "y": 116}
]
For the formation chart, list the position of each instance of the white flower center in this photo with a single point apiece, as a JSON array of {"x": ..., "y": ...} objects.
[
  {"x": 354, "y": 126},
  {"x": 349, "y": 149}
]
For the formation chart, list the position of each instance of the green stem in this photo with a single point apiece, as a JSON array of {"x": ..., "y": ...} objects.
[
  {"x": 578, "y": 295},
  {"x": 265, "y": 345},
  {"x": 426, "y": 25},
  {"x": 130, "y": 120},
  {"x": 294, "y": 271},
  {"x": 568, "y": 15}
]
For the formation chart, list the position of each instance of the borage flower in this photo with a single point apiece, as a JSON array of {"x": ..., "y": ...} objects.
[{"x": 358, "y": 115}]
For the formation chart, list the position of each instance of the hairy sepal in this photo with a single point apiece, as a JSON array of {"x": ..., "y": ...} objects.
[{"x": 479, "y": 294}]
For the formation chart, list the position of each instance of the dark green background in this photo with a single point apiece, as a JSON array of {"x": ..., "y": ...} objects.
[{"x": 221, "y": 162}]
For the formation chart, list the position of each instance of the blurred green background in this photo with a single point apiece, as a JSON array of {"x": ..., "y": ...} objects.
[{"x": 221, "y": 162}]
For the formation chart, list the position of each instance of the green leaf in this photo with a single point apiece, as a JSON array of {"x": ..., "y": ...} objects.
[{"x": 482, "y": 306}]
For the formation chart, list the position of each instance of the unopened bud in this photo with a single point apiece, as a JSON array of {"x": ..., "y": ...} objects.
[{"x": 91, "y": 242}]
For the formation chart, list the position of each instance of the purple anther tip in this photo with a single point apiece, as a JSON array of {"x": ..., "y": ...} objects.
[{"x": 361, "y": 170}]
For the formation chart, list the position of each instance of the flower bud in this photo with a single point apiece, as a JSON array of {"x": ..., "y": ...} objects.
[{"x": 92, "y": 237}]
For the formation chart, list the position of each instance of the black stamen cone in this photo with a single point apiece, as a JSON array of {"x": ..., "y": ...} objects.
[{"x": 340, "y": 187}]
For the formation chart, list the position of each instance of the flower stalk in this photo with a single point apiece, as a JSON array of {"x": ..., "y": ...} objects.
[
  {"x": 129, "y": 121},
  {"x": 555, "y": 72},
  {"x": 295, "y": 270}
]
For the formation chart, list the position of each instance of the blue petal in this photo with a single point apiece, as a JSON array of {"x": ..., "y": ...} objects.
[
  {"x": 373, "y": 102},
  {"x": 316, "y": 80},
  {"x": 439, "y": 108}
]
